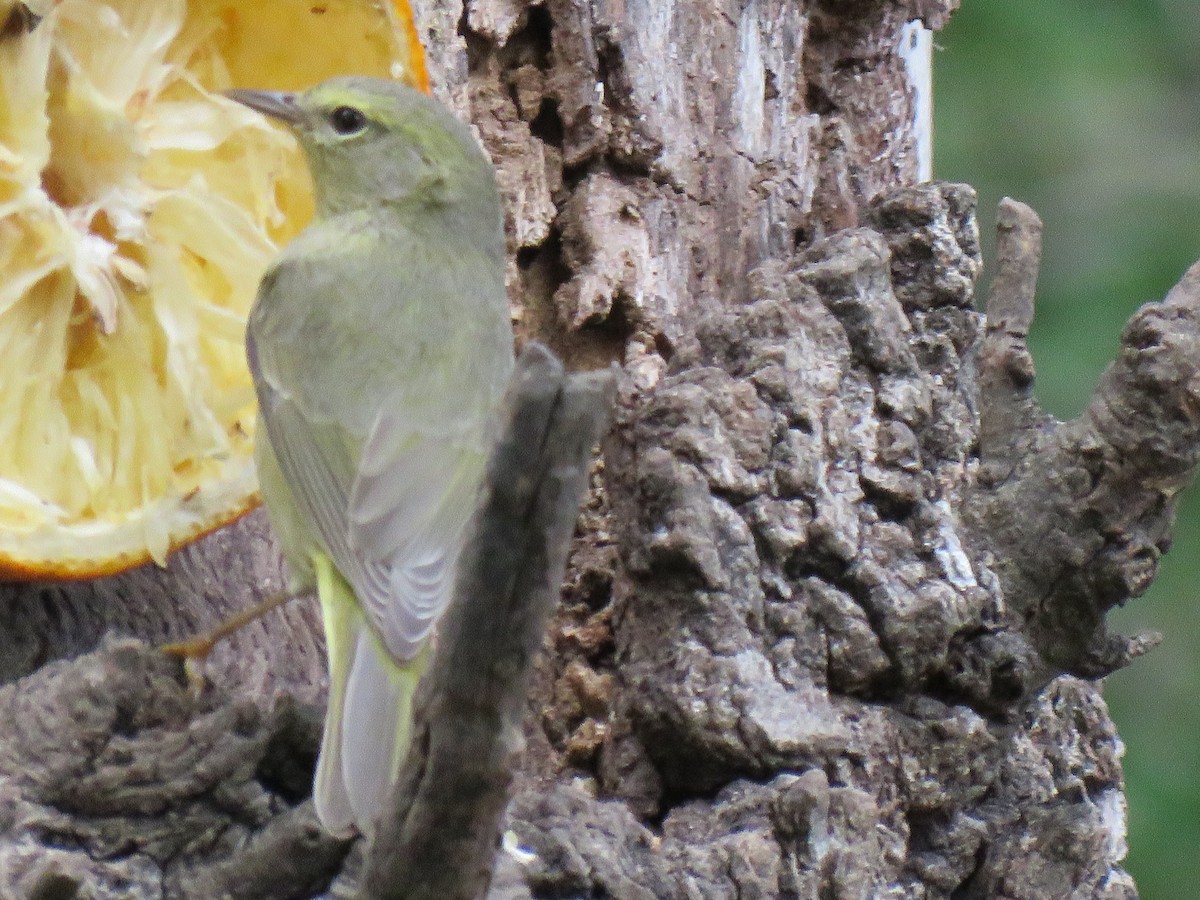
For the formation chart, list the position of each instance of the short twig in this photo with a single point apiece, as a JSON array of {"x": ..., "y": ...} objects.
[{"x": 1008, "y": 411}]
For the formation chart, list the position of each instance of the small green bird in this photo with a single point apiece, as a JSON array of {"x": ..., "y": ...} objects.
[{"x": 380, "y": 345}]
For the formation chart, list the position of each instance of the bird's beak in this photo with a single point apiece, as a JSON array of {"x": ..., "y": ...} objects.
[{"x": 276, "y": 104}]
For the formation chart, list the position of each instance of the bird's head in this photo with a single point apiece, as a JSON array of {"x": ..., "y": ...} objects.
[{"x": 371, "y": 141}]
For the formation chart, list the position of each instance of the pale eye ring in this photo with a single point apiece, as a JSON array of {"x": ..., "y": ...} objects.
[{"x": 347, "y": 120}]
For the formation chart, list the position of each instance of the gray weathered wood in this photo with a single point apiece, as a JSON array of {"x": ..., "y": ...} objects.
[{"x": 440, "y": 839}]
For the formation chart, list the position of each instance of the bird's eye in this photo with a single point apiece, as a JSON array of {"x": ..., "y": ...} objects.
[{"x": 347, "y": 120}]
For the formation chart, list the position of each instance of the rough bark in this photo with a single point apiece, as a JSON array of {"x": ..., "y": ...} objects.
[
  {"x": 839, "y": 586},
  {"x": 117, "y": 782}
]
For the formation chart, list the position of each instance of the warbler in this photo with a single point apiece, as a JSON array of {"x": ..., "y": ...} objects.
[{"x": 380, "y": 344}]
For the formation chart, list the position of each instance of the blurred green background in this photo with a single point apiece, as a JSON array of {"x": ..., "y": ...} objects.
[{"x": 1090, "y": 112}]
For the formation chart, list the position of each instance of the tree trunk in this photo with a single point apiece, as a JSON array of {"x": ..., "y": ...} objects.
[{"x": 835, "y": 603}]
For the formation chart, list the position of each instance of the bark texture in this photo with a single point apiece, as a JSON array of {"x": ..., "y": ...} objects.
[{"x": 839, "y": 586}]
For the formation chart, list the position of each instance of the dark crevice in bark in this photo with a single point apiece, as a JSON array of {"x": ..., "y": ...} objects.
[{"x": 547, "y": 125}]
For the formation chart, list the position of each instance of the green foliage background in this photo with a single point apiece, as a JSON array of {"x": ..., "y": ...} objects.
[{"x": 1090, "y": 112}]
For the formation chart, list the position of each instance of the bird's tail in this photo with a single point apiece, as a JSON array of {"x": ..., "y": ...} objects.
[{"x": 368, "y": 725}]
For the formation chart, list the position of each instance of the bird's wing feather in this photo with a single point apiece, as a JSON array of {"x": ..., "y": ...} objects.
[
  {"x": 392, "y": 520},
  {"x": 318, "y": 463},
  {"x": 411, "y": 500}
]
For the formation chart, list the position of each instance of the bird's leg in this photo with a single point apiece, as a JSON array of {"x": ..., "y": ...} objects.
[{"x": 194, "y": 651}]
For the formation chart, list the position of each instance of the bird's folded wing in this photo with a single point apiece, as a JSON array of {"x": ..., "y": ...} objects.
[
  {"x": 414, "y": 493},
  {"x": 392, "y": 520},
  {"x": 319, "y": 469}
]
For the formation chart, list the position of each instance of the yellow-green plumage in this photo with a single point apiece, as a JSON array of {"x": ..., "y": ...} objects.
[{"x": 380, "y": 345}]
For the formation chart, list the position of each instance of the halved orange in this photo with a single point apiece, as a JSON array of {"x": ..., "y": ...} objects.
[{"x": 138, "y": 210}]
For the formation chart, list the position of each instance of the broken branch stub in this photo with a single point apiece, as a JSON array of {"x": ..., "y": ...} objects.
[
  {"x": 1077, "y": 514},
  {"x": 1008, "y": 414},
  {"x": 440, "y": 835}
]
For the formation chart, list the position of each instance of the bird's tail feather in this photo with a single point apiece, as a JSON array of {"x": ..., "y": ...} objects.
[{"x": 368, "y": 725}]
